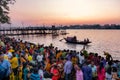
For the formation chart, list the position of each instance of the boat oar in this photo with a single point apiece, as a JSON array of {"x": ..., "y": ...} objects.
[{"x": 61, "y": 39}]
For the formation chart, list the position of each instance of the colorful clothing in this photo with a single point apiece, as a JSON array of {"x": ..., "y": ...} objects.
[
  {"x": 101, "y": 75},
  {"x": 87, "y": 72},
  {"x": 79, "y": 75},
  {"x": 55, "y": 74},
  {"x": 34, "y": 76},
  {"x": 14, "y": 62}
]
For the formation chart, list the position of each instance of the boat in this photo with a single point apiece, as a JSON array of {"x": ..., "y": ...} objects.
[
  {"x": 55, "y": 34},
  {"x": 77, "y": 42},
  {"x": 63, "y": 32}
]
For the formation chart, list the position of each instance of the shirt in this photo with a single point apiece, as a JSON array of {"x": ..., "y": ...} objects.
[
  {"x": 34, "y": 76},
  {"x": 6, "y": 64},
  {"x": 68, "y": 67},
  {"x": 29, "y": 58},
  {"x": 40, "y": 58},
  {"x": 14, "y": 62},
  {"x": 9, "y": 55},
  {"x": 41, "y": 74},
  {"x": 94, "y": 70},
  {"x": 79, "y": 75},
  {"x": 81, "y": 59},
  {"x": 87, "y": 72}
]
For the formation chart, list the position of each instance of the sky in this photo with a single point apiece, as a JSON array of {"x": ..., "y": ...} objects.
[{"x": 64, "y": 12}]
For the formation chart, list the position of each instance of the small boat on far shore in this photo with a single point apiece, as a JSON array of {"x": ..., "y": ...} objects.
[
  {"x": 85, "y": 42},
  {"x": 55, "y": 34},
  {"x": 63, "y": 32}
]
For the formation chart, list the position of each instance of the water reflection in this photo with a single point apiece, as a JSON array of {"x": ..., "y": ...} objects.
[
  {"x": 71, "y": 46},
  {"x": 87, "y": 46},
  {"x": 102, "y": 40}
]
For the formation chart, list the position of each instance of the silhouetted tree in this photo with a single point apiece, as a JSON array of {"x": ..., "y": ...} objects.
[{"x": 4, "y": 10}]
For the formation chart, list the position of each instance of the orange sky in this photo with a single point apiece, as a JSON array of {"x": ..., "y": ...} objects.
[{"x": 65, "y": 12}]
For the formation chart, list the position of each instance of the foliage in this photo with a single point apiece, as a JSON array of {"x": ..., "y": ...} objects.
[{"x": 4, "y": 10}]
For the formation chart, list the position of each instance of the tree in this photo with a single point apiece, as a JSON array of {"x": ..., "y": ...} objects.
[{"x": 4, "y": 11}]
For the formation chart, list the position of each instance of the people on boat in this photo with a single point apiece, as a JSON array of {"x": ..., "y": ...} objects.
[
  {"x": 69, "y": 38},
  {"x": 72, "y": 39},
  {"x": 86, "y": 40},
  {"x": 75, "y": 39}
]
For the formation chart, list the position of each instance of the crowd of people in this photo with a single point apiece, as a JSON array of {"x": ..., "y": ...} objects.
[{"x": 21, "y": 60}]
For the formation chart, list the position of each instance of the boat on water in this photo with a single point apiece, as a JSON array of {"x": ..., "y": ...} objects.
[
  {"x": 74, "y": 41},
  {"x": 63, "y": 32},
  {"x": 55, "y": 34}
]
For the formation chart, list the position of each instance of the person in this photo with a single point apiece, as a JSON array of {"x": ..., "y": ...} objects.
[
  {"x": 35, "y": 75},
  {"x": 41, "y": 73},
  {"x": 14, "y": 65},
  {"x": 87, "y": 40},
  {"x": 81, "y": 58},
  {"x": 25, "y": 71},
  {"x": 108, "y": 56},
  {"x": 2, "y": 43},
  {"x": 30, "y": 58},
  {"x": 109, "y": 71},
  {"x": 94, "y": 70},
  {"x": 20, "y": 72},
  {"x": 114, "y": 74},
  {"x": 118, "y": 68},
  {"x": 74, "y": 59},
  {"x": 40, "y": 58},
  {"x": 87, "y": 71},
  {"x": 47, "y": 65},
  {"x": 79, "y": 73},
  {"x": 5, "y": 68},
  {"x": 56, "y": 73},
  {"x": 101, "y": 72},
  {"x": 60, "y": 68},
  {"x": 74, "y": 39},
  {"x": 67, "y": 69}
]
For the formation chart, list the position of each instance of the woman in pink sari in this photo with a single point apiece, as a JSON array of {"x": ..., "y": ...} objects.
[
  {"x": 101, "y": 72},
  {"x": 79, "y": 73}
]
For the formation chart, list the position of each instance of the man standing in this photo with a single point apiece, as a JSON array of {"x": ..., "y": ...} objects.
[
  {"x": 14, "y": 65},
  {"x": 68, "y": 69},
  {"x": 87, "y": 71},
  {"x": 4, "y": 68},
  {"x": 40, "y": 57}
]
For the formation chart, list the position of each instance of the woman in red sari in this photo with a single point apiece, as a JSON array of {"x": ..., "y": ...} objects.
[
  {"x": 56, "y": 74},
  {"x": 101, "y": 72}
]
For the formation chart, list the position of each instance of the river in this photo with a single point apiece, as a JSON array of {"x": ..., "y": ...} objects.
[{"x": 102, "y": 40}]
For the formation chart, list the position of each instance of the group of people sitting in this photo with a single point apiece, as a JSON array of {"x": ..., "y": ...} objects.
[{"x": 21, "y": 60}]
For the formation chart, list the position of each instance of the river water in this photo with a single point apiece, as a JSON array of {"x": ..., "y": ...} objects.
[{"x": 102, "y": 40}]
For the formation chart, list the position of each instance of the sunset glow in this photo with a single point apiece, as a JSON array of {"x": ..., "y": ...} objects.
[{"x": 65, "y": 12}]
